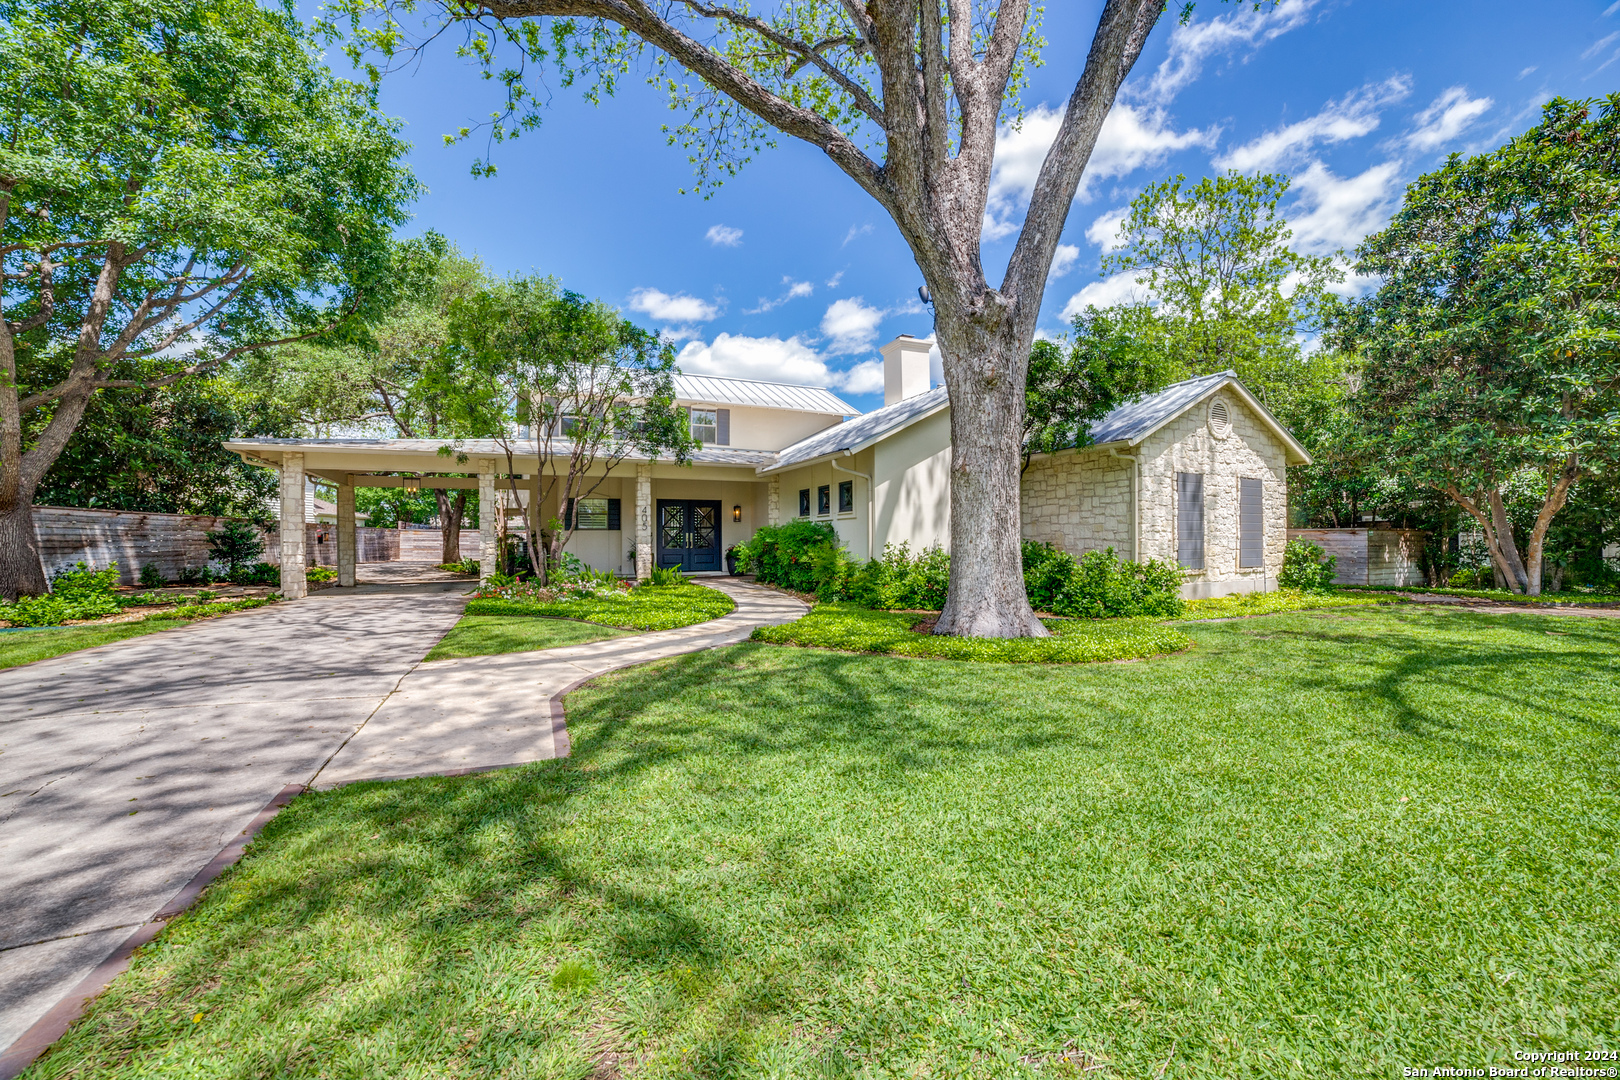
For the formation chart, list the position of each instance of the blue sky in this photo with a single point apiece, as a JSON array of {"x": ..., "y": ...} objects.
[{"x": 790, "y": 273}]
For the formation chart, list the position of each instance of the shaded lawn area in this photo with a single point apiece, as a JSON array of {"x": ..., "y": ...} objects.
[
  {"x": 485, "y": 635},
  {"x": 646, "y": 607},
  {"x": 1315, "y": 844},
  {"x": 26, "y": 646}
]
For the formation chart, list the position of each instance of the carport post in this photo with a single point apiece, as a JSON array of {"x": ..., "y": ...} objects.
[
  {"x": 294, "y": 583},
  {"x": 486, "y": 520},
  {"x": 345, "y": 535},
  {"x": 644, "y": 522}
]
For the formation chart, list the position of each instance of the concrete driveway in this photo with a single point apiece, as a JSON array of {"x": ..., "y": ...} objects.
[{"x": 125, "y": 769}]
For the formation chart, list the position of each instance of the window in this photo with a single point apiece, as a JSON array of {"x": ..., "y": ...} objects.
[
  {"x": 705, "y": 428},
  {"x": 804, "y": 502},
  {"x": 1190, "y": 520},
  {"x": 846, "y": 496},
  {"x": 594, "y": 514},
  {"x": 824, "y": 500},
  {"x": 1251, "y": 523}
]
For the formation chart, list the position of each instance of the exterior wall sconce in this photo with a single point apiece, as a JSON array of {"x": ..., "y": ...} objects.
[
  {"x": 413, "y": 483},
  {"x": 736, "y": 513}
]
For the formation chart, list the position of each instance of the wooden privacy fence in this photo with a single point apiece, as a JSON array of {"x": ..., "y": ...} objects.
[
  {"x": 70, "y": 534},
  {"x": 1389, "y": 557}
]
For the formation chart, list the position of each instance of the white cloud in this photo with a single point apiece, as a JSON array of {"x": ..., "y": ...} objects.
[
  {"x": 1119, "y": 289},
  {"x": 832, "y": 282},
  {"x": 851, "y": 325},
  {"x": 1130, "y": 139},
  {"x": 770, "y": 358},
  {"x": 796, "y": 290},
  {"x": 1611, "y": 9},
  {"x": 1193, "y": 44},
  {"x": 1532, "y": 67},
  {"x": 1105, "y": 231},
  {"x": 865, "y": 377},
  {"x": 1063, "y": 261},
  {"x": 660, "y": 305},
  {"x": 1599, "y": 45},
  {"x": 1445, "y": 118},
  {"x": 724, "y": 236},
  {"x": 1352, "y": 116},
  {"x": 1338, "y": 213},
  {"x": 854, "y": 231}
]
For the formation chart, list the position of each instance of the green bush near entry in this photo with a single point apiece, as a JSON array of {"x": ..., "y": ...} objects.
[
  {"x": 1099, "y": 584},
  {"x": 1073, "y": 641},
  {"x": 780, "y": 554}
]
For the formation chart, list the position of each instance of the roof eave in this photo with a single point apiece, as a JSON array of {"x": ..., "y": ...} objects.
[
  {"x": 1301, "y": 456},
  {"x": 854, "y": 448}
]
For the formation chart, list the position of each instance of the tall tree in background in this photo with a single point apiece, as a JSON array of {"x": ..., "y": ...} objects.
[
  {"x": 925, "y": 86},
  {"x": 1492, "y": 348},
  {"x": 399, "y": 377},
  {"x": 593, "y": 387},
  {"x": 180, "y": 182}
]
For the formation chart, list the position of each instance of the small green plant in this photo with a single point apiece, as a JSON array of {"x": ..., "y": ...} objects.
[
  {"x": 320, "y": 573},
  {"x": 1307, "y": 567},
  {"x": 573, "y": 975},
  {"x": 194, "y": 575},
  {"x": 665, "y": 577},
  {"x": 236, "y": 546},
  {"x": 260, "y": 573},
  {"x": 78, "y": 593},
  {"x": 468, "y": 565},
  {"x": 205, "y": 596},
  {"x": 151, "y": 576},
  {"x": 1475, "y": 577}
]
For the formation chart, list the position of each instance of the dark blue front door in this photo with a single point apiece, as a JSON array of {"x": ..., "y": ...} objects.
[{"x": 689, "y": 534}]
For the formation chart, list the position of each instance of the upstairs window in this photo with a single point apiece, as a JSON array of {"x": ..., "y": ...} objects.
[
  {"x": 846, "y": 496},
  {"x": 1190, "y": 520},
  {"x": 824, "y": 500},
  {"x": 705, "y": 426},
  {"x": 804, "y": 502}
]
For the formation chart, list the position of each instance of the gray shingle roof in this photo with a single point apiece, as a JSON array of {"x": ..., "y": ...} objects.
[
  {"x": 715, "y": 390},
  {"x": 1141, "y": 417},
  {"x": 863, "y": 430}
]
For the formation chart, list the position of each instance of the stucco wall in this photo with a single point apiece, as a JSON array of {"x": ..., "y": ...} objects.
[
  {"x": 1251, "y": 450},
  {"x": 770, "y": 429},
  {"x": 851, "y": 526},
  {"x": 911, "y": 473},
  {"x": 1079, "y": 502}
]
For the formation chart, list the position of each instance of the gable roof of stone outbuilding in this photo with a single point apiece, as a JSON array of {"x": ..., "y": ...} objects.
[{"x": 1136, "y": 420}]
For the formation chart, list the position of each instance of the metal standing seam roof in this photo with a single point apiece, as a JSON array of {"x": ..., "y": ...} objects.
[
  {"x": 863, "y": 431},
  {"x": 717, "y": 390},
  {"x": 480, "y": 448},
  {"x": 1139, "y": 419}
]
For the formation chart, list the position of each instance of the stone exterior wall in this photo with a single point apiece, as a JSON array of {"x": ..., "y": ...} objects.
[
  {"x": 1079, "y": 502},
  {"x": 1250, "y": 450}
]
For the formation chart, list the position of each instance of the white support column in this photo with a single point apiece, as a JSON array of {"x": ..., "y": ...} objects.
[
  {"x": 347, "y": 555},
  {"x": 294, "y": 582},
  {"x": 773, "y": 502},
  {"x": 486, "y": 519},
  {"x": 644, "y": 522}
]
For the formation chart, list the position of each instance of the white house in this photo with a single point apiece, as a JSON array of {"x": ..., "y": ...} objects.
[{"x": 1195, "y": 474}]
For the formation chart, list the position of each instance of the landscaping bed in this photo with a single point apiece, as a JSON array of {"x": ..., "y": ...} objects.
[
  {"x": 900, "y": 633},
  {"x": 1243, "y": 605},
  {"x": 646, "y": 607},
  {"x": 1319, "y": 844},
  {"x": 487, "y": 635}
]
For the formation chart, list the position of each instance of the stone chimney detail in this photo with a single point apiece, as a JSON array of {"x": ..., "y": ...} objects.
[{"x": 905, "y": 368}]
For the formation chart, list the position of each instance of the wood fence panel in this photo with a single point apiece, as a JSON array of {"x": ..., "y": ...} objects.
[{"x": 1349, "y": 546}]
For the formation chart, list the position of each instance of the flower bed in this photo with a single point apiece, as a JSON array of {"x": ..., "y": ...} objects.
[{"x": 645, "y": 607}]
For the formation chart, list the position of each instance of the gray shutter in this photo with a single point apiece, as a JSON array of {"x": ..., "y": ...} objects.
[
  {"x": 613, "y": 515},
  {"x": 1251, "y": 522},
  {"x": 568, "y": 514},
  {"x": 722, "y": 427},
  {"x": 1190, "y": 520}
]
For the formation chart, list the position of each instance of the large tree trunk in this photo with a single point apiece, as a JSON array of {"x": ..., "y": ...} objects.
[
  {"x": 21, "y": 573},
  {"x": 986, "y": 597},
  {"x": 451, "y": 513}
]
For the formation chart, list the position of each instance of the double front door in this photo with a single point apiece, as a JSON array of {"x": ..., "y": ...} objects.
[{"x": 689, "y": 534}]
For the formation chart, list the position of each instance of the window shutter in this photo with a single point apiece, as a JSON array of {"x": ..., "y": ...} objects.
[
  {"x": 613, "y": 515},
  {"x": 1190, "y": 520},
  {"x": 722, "y": 427},
  {"x": 1251, "y": 522},
  {"x": 568, "y": 514}
]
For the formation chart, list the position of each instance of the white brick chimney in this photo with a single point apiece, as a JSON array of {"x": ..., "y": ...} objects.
[{"x": 905, "y": 368}]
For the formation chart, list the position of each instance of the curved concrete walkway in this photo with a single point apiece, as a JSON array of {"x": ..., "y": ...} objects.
[{"x": 124, "y": 770}]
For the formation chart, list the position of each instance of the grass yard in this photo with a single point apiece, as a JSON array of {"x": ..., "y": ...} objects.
[
  {"x": 1242, "y": 605},
  {"x": 485, "y": 635},
  {"x": 26, "y": 646},
  {"x": 1502, "y": 595},
  {"x": 858, "y": 629},
  {"x": 647, "y": 607},
  {"x": 1325, "y": 844}
]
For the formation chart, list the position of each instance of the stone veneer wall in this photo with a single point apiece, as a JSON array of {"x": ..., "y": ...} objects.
[
  {"x": 1079, "y": 502},
  {"x": 1251, "y": 450}
]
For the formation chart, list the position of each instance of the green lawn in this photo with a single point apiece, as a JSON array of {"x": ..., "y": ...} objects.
[
  {"x": 26, "y": 646},
  {"x": 1313, "y": 845},
  {"x": 858, "y": 629},
  {"x": 484, "y": 635},
  {"x": 647, "y": 607}
]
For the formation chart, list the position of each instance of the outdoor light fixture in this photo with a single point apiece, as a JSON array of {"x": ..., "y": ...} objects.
[
  {"x": 413, "y": 483},
  {"x": 736, "y": 513}
]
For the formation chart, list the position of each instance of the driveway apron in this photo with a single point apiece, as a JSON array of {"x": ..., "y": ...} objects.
[{"x": 124, "y": 769}]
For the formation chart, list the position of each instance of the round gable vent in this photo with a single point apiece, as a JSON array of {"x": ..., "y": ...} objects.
[{"x": 1220, "y": 421}]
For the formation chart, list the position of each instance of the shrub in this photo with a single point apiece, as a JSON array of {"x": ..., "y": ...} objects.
[
  {"x": 468, "y": 565},
  {"x": 1478, "y": 577},
  {"x": 151, "y": 576},
  {"x": 236, "y": 546},
  {"x": 1307, "y": 567},
  {"x": 834, "y": 571},
  {"x": 1100, "y": 585},
  {"x": 260, "y": 573},
  {"x": 194, "y": 575},
  {"x": 780, "y": 554},
  {"x": 664, "y": 577},
  {"x": 901, "y": 580},
  {"x": 320, "y": 573},
  {"x": 572, "y": 570},
  {"x": 79, "y": 593}
]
